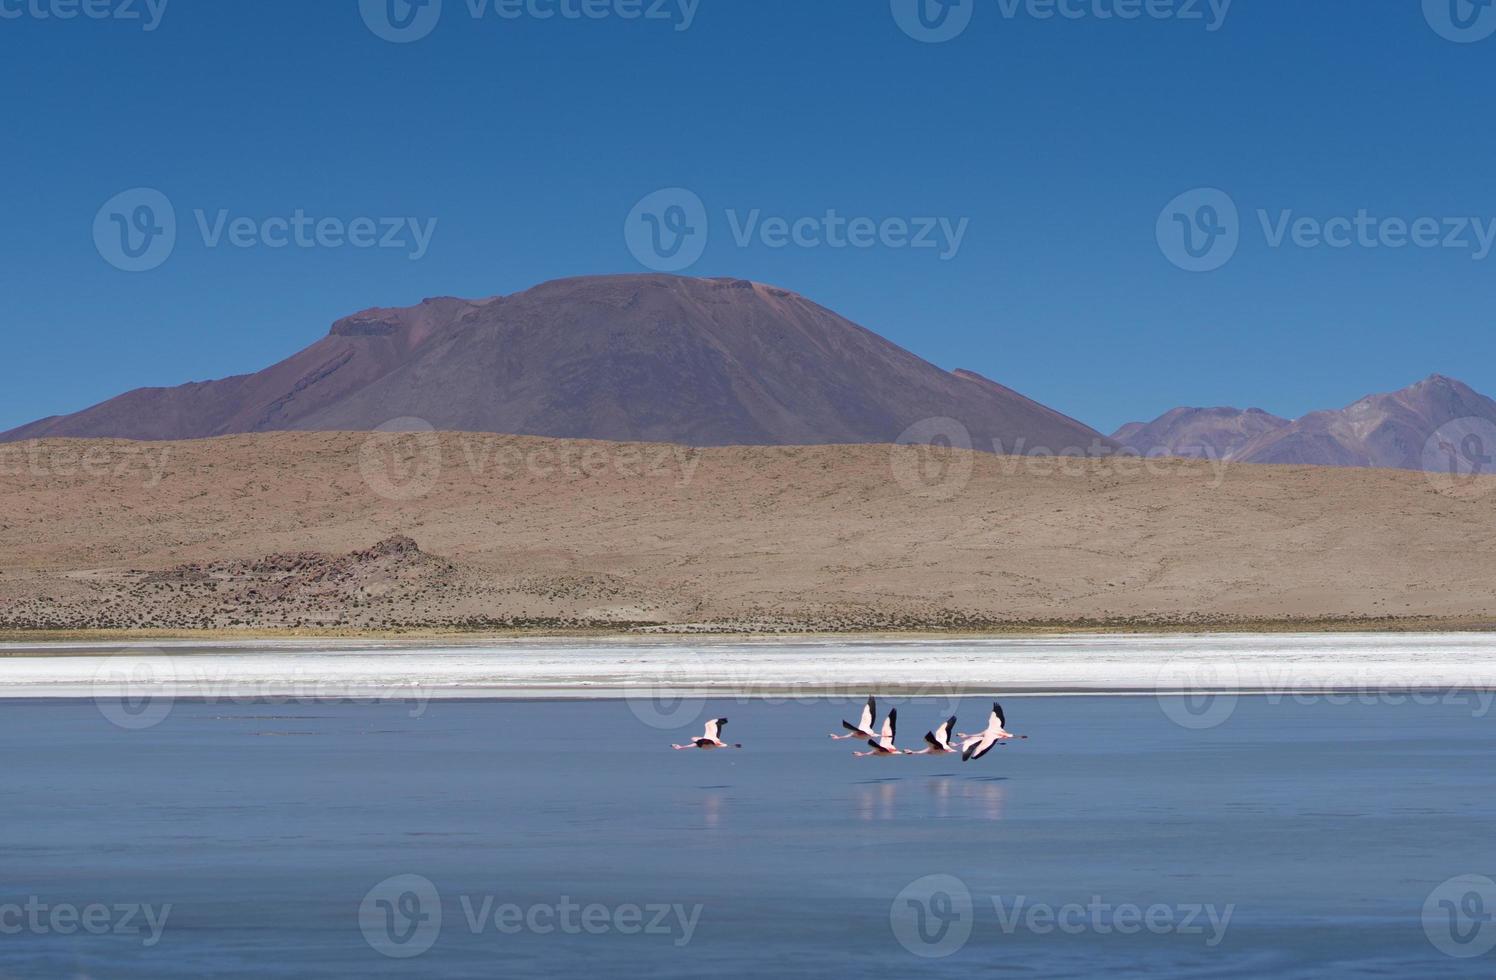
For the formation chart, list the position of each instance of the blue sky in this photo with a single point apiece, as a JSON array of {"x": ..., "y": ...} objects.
[{"x": 1057, "y": 141}]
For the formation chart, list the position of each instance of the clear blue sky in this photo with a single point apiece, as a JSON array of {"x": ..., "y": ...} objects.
[{"x": 530, "y": 140}]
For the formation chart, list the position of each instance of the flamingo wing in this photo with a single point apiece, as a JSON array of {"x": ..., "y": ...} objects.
[
  {"x": 977, "y": 747},
  {"x": 869, "y": 715}
]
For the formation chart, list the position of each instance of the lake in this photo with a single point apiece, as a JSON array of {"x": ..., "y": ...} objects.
[{"x": 1289, "y": 836}]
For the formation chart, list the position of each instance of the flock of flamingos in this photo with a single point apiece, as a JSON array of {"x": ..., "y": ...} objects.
[{"x": 881, "y": 742}]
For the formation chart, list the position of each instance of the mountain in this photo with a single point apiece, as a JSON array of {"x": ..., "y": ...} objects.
[
  {"x": 1388, "y": 430},
  {"x": 644, "y": 357},
  {"x": 1198, "y": 433}
]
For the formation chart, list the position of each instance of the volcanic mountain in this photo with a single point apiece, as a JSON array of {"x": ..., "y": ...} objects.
[
  {"x": 1198, "y": 433},
  {"x": 646, "y": 357},
  {"x": 1395, "y": 430}
]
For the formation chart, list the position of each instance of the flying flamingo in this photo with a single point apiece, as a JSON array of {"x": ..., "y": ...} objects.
[
  {"x": 711, "y": 739},
  {"x": 864, "y": 727},
  {"x": 978, "y": 745},
  {"x": 938, "y": 742},
  {"x": 884, "y": 743}
]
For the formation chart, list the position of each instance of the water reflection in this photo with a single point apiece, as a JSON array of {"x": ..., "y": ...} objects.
[
  {"x": 982, "y": 798},
  {"x": 711, "y": 809},
  {"x": 875, "y": 802},
  {"x": 949, "y": 796},
  {"x": 988, "y": 797}
]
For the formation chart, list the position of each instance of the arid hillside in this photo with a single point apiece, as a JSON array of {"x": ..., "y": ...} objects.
[{"x": 419, "y": 530}]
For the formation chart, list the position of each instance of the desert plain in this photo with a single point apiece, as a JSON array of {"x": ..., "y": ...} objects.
[{"x": 415, "y": 532}]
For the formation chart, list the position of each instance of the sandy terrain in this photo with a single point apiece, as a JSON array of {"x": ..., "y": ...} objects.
[{"x": 279, "y": 532}]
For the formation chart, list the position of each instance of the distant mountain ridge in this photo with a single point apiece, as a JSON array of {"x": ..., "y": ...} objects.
[
  {"x": 1391, "y": 430},
  {"x": 641, "y": 358},
  {"x": 1199, "y": 433}
]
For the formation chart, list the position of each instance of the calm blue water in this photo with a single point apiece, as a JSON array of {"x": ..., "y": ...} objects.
[{"x": 1323, "y": 827}]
